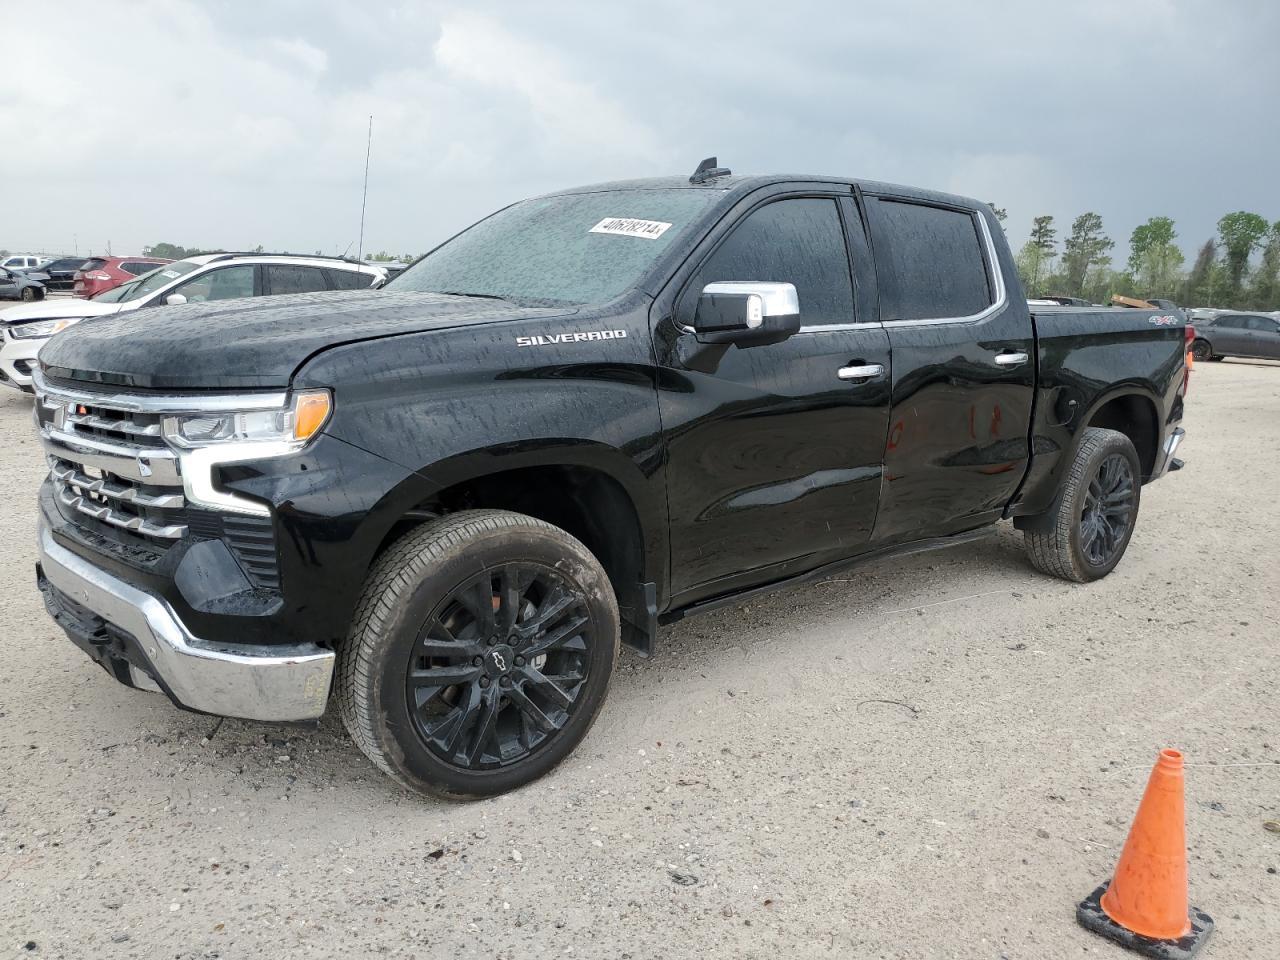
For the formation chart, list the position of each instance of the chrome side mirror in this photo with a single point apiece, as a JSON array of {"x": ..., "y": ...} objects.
[{"x": 747, "y": 312}]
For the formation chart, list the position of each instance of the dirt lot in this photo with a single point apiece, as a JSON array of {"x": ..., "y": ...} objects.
[{"x": 935, "y": 757}]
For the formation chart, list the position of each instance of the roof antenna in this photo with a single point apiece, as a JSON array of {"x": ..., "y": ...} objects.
[
  {"x": 707, "y": 170},
  {"x": 364, "y": 194}
]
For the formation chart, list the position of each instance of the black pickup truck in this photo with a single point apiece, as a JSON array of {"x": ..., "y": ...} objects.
[{"x": 587, "y": 415}]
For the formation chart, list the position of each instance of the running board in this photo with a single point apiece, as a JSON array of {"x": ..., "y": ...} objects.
[{"x": 818, "y": 573}]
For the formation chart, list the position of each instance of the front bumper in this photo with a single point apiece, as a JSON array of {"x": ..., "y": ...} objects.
[
  {"x": 17, "y": 360},
  {"x": 140, "y": 640}
]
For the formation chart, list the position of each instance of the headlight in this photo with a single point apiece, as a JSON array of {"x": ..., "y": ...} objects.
[
  {"x": 42, "y": 328},
  {"x": 293, "y": 425}
]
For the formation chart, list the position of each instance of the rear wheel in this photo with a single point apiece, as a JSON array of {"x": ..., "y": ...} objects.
[
  {"x": 1201, "y": 350},
  {"x": 1088, "y": 529},
  {"x": 480, "y": 653}
]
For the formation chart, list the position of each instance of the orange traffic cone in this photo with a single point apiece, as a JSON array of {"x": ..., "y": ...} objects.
[{"x": 1144, "y": 907}]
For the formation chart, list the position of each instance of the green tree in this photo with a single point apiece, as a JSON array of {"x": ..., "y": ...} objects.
[
  {"x": 1201, "y": 280},
  {"x": 1085, "y": 247},
  {"x": 1265, "y": 293},
  {"x": 167, "y": 251},
  {"x": 1001, "y": 213},
  {"x": 1240, "y": 232},
  {"x": 1035, "y": 259},
  {"x": 1155, "y": 261}
]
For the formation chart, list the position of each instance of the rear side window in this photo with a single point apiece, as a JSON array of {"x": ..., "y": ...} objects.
[
  {"x": 929, "y": 261},
  {"x": 1230, "y": 322},
  {"x": 798, "y": 241},
  {"x": 1264, "y": 324},
  {"x": 290, "y": 278},
  {"x": 349, "y": 280}
]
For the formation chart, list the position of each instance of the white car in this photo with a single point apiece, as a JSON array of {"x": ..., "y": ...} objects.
[
  {"x": 214, "y": 276},
  {"x": 24, "y": 261}
]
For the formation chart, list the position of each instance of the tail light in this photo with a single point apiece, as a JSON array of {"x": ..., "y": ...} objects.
[
  {"x": 1188, "y": 338},
  {"x": 97, "y": 275}
]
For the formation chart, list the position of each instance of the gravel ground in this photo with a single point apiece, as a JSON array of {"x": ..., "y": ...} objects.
[{"x": 933, "y": 757}]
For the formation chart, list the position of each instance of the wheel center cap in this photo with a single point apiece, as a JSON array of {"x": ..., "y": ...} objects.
[{"x": 499, "y": 660}]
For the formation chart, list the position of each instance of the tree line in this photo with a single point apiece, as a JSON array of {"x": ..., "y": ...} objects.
[
  {"x": 1223, "y": 273},
  {"x": 172, "y": 251}
]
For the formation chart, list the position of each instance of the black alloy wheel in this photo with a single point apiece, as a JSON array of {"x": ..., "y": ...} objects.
[
  {"x": 1201, "y": 350},
  {"x": 500, "y": 665},
  {"x": 479, "y": 654},
  {"x": 1107, "y": 511}
]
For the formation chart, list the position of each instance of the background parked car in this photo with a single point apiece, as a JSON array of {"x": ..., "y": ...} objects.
[
  {"x": 214, "y": 276},
  {"x": 1253, "y": 335},
  {"x": 23, "y": 261},
  {"x": 15, "y": 285},
  {"x": 100, "y": 274},
  {"x": 61, "y": 272}
]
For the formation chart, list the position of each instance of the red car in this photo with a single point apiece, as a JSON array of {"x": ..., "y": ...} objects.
[{"x": 100, "y": 274}]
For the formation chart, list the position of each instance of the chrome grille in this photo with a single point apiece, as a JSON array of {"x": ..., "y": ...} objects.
[
  {"x": 111, "y": 464},
  {"x": 116, "y": 477},
  {"x": 117, "y": 502}
]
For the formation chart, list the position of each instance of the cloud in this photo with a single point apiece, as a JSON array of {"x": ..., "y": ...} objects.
[{"x": 200, "y": 124}]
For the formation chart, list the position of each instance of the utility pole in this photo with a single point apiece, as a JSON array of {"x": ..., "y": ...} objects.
[{"x": 364, "y": 196}]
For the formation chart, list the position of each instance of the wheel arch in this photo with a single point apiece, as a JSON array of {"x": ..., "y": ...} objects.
[
  {"x": 1134, "y": 413},
  {"x": 595, "y": 493}
]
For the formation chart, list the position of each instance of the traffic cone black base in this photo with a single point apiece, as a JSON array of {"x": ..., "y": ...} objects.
[{"x": 1091, "y": 917}]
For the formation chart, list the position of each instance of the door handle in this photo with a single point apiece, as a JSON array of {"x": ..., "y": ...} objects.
[
  {"x": 1011, "y": 359},
  {"x": 864, "y": 372}
]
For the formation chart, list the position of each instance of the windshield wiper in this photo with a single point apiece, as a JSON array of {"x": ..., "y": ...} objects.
[{"x": 479, "y": 296}]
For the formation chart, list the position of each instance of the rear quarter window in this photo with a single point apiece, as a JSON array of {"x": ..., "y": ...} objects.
[
  {"x": 929, "y": 261},
  {"x": 349, "y": 280}
]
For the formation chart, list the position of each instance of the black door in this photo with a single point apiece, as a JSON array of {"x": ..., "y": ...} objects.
[
  {"x": 963, "y": 370},
  {"x": 773, "y": 461}
]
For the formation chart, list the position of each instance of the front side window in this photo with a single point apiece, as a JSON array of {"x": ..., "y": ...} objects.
[
  {"x": 564, "y": 250},
  {"x": 149, "y": 283},
  {"x": 222, "y": 283},
  {"x": 798, "y": 241},
  {"x": 929, "y": 261}
]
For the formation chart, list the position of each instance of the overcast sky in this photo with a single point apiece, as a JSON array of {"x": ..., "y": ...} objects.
[{"x": 232, "y": 124}]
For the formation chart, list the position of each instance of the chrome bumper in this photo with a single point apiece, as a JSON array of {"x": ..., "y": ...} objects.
[{"x": 256, "y": 683}]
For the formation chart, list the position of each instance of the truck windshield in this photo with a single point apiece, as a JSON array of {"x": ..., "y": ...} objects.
[{"x": 557, "y": 251}]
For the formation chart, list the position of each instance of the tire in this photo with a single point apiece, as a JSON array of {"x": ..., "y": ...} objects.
[
  {"x": 1201, "y": 350},
  {"x": 1086, "y": 532},
  {"x": 479, "y": 654},
  {"x": 31, "y": 293}
]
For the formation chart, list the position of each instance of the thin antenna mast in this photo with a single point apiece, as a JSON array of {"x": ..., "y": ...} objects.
[{"x": 364, "y": 196}]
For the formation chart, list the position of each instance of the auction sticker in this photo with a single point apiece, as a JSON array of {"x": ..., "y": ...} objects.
[{"x": 627, "y": 227}]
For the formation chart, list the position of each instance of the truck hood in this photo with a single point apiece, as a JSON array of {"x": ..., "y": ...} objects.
[
  {"x": 253, "y": 343},
  {"x": 57, "y": 308}
]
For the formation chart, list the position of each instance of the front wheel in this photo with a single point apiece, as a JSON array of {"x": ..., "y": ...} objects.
[
  {"x": 1201, "y": 350},
  {"x": 30, "y": 293},
  {"x": 479, "y": 655},
  {"x": 1086, "y": 532}
]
